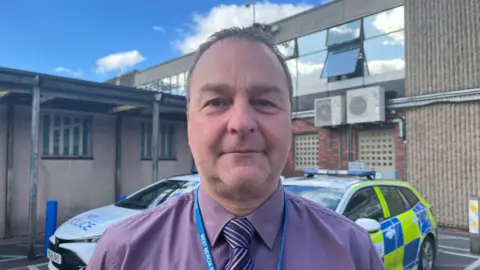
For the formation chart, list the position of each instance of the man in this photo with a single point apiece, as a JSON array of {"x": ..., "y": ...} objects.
[{"x": 240, "y": 133}]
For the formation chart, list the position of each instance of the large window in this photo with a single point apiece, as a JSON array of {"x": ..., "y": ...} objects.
[
  {"x": 384, "y": 42},
  {"x": 66, "y": 136},
  {"x": 174, "y": 84},
  {"x": 369, "y": 46},
  {"x": 165, "y": 142}
]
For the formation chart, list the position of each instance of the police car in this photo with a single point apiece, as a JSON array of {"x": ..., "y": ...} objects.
[
  {"x": 403, "y": 240},
  {"x": 400, "y": 222}
]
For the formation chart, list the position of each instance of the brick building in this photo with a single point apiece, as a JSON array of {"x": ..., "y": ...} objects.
[{"x": 412, "y": 70}]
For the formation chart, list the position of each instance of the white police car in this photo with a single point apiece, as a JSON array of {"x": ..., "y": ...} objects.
[{"x": 74, "y": 242}]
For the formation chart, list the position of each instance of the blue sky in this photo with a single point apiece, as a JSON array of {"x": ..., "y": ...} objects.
[{"x": 96, "y": 40}]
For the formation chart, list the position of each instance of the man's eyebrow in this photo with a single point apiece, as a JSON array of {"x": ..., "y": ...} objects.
[
  {"x": 262, "y": 89},
  {"x": 218, "y": 88}
]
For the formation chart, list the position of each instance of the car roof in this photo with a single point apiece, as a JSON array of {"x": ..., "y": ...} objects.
[
  {"x": 185, "y": 177},
  {"x": 322, "y": 181}
]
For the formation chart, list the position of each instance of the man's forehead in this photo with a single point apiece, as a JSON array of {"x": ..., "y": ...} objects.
[{"x": 236, "y": 63}]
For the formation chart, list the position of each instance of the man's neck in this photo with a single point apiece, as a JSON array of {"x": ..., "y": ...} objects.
[{"x": 239, "y": 205}]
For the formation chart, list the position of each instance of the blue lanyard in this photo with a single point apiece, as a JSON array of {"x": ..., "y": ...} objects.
[{"x": 207, "y": 252}]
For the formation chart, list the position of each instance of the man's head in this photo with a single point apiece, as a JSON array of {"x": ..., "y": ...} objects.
[{"x": 239, "y": 95}]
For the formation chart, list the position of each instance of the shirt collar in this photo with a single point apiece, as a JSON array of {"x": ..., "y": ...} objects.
[{"x": 267, "y": 219}]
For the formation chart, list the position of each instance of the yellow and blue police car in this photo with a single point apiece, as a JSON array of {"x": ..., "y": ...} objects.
[{"x": 399, "y": 220}]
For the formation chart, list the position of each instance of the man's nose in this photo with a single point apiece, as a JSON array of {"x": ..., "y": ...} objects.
[{"x": 243, "y": 119}]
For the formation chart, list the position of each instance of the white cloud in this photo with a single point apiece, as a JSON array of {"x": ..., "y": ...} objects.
[
  {"x": 224, "y": 16},
  {"x": 385, "y": 66},
  {"x": 77, "y": 73},
  {"x": 118, "y": 61},
  {"x": 390, "y": 21},
  {"x": 158, "y": 28}
]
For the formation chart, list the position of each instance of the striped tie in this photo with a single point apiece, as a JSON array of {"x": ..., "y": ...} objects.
[{"x": 239, "y": 233}]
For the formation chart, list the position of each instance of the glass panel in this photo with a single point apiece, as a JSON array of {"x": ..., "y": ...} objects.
[
  {"x": 343, "y": 33},
  {"x": 287, "y": 48},
  {"x": 148, "y": 129},
  {"x": 328, "y": 197},
  {"x": 56, "y": 135},
  {"x": 385, "y": 22},
  {"x": 66, "y": 136},
  {"x": 171, "y": 132},
  {"x": 181, "y": 80},
  {"x": 86, "y": 137},
  {"x": 309, "y": 70},
  {"x": 157, "y": 194},
  {"x": 341, "y": 62},
  {"x": 165, "y": 84},
  {"x": 46, "y": 134},
  {"x": 76, "y": 136},
  {"x": 385, "y": 53},
  {"x": 174, "y": 81},
  {"x": 312, "y": 43},
  {"x": 143, "y": 140},
  {"x": 292, "y": 66},
  {"x": 364, "y": 204}
]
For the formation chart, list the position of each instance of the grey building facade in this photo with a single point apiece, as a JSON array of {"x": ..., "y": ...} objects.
[{"x": 407, "y": 57}]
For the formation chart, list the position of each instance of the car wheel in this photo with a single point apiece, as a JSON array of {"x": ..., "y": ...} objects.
[{"x": 427, "y": 254}]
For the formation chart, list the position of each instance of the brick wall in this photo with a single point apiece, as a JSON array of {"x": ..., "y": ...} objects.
[{"x": 333, "y": 147}]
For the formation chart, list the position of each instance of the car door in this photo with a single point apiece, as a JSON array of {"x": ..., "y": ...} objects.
[
  {"x": 404, "y": 223},
  {"x": 365, "y": 203}
]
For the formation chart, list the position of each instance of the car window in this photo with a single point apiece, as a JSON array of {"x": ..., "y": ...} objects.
[
  {"x": 409, "y": 195},
  {"x": 328, "y": 197},
  {"x": 364, "y": 204},
  {"x": 395, "y": 203},
  {"x": 158, "y": 193}
]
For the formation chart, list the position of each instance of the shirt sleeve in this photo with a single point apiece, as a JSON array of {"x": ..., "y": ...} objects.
[
  {"x": 104, "y": 256},
  {"x": 376, "y": 262}
]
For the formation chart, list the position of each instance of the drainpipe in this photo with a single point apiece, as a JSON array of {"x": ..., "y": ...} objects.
[
  {"x": 9, "y": 182},
  {"x": 118, "y": 156},
  {"x": 400, "y": 121},
  {"x": 155, "y": 129},
  {"x": 34, "y": 130}
]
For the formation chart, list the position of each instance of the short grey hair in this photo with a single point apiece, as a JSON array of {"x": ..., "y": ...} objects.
[{"x": 257, "y": 33}]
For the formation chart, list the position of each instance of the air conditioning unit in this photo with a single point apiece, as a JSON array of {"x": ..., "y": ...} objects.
[
  {"x": 329, "y": 111},
  {"x": 366, "y": 105}
]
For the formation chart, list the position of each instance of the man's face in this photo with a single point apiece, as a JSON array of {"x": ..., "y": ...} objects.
[{"x": 239, "y": 117}]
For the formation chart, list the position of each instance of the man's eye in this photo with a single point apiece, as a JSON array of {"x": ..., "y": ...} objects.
[
  {"x": 215, "y": 103},
  {"x": 262, "y": 102}
]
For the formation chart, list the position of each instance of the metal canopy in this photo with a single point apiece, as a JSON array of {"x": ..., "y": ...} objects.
[{"x": 18, "y": 87}]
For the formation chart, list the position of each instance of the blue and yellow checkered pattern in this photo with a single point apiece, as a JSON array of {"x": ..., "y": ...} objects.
[{"x": 401, "y": 236}]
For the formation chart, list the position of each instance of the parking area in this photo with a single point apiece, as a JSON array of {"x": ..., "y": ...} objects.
[{"x": 453, "y": 255}]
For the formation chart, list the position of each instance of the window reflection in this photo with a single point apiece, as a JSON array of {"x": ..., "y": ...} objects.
[
  {"x": 309, "y": 70},
  {"x": 292, "y": 66},
  {"x": 341, "y": 62},
  {"x": 385, "y": 53},
  {"x": 384, "y": 22},
  {"x": 312, "y": 43},
  {"x": 343, "y": 33},
  {"x": 288, "y": 48}
]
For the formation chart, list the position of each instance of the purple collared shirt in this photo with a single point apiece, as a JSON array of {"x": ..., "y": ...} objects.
[{"x": 166, "y": 237}]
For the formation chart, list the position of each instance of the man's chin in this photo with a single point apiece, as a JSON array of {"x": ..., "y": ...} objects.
[{"x": 244, "y": 176}]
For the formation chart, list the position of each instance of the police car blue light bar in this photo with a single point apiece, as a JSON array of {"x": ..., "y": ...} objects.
[{"x": 340, "y": 172}]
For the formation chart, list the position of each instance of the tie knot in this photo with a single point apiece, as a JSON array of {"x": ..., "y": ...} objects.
[{"x": 239, "y": 232}]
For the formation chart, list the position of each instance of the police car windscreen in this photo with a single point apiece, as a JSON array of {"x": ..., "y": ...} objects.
[
  {"x": 157, "y": 194},
  {"x": 326, "y": 196}
]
